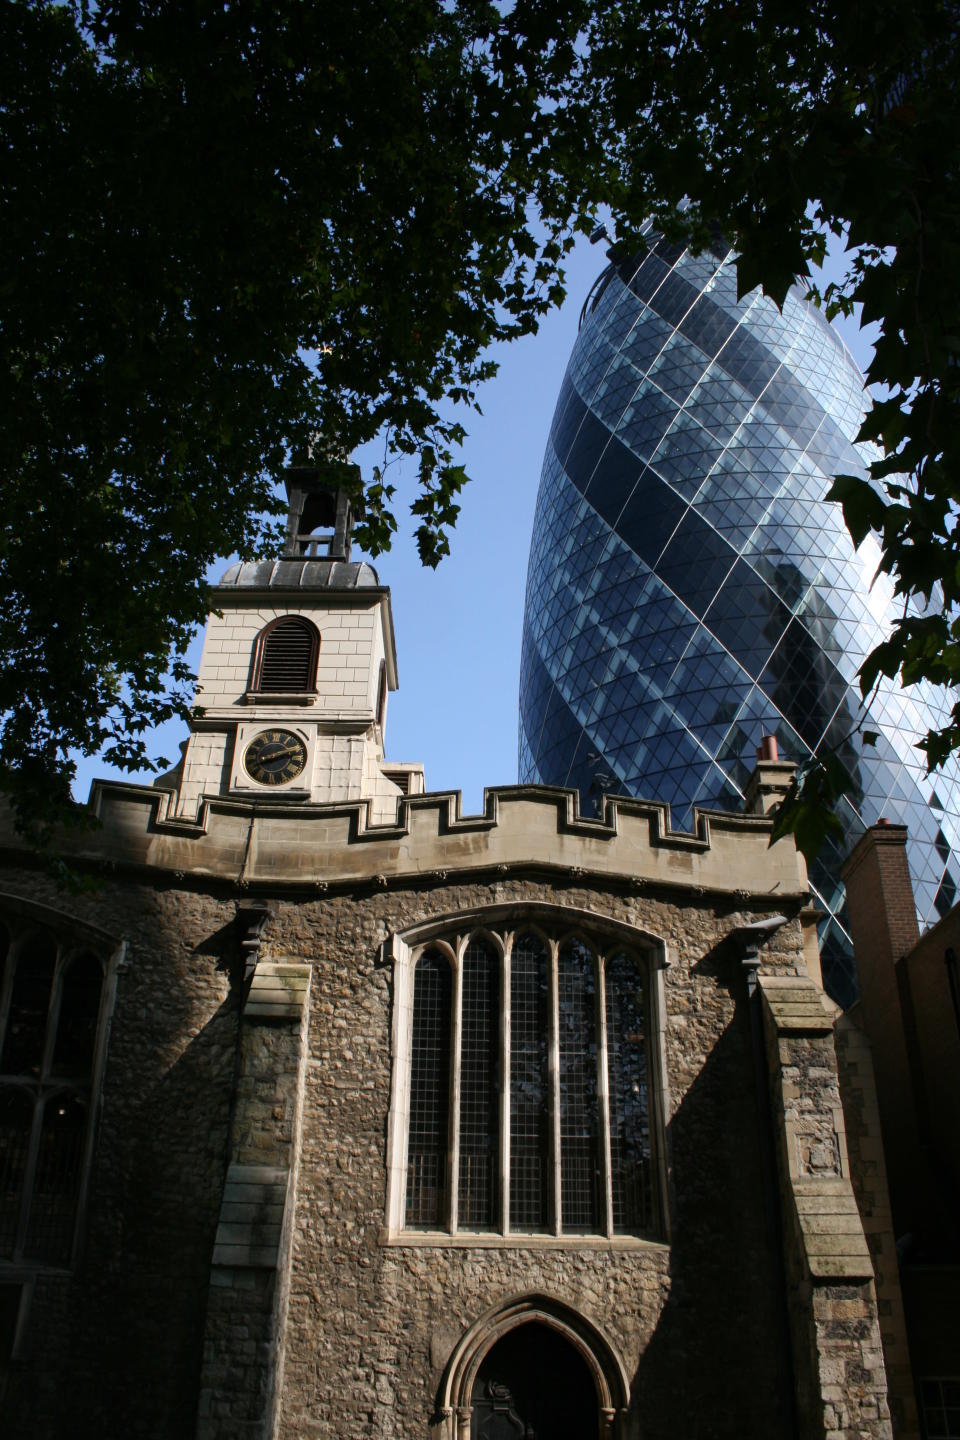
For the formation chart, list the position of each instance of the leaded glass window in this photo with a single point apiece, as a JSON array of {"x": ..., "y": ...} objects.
[
  {"x": 51, "y": 999},
  {"x": 529, "y": 1084},
  {"x": 529, "y": 1090},
  {"x": 630, "y": 1179},
  {"x": 429, "y": 1092},
  {"x": 26, "y": 1025},
  {"x": 577, "y": 1050},
  {"x": 479, "y": 1087},
  {"x": 940, "y": 1399}
]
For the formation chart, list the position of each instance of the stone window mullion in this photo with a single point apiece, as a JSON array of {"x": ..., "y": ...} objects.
[
  {"x": 456, "y": 1045},
  {"x": 53, "y": 1013},
  {"x": 505, "y": 1083},
  {"x": 603, "y": 1095},
  {"x": 403, "y": 1043},
  {"x": 553, "y": 1071}
]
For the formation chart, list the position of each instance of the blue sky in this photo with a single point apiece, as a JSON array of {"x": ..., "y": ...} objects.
[{"x": 458, "y": 627}]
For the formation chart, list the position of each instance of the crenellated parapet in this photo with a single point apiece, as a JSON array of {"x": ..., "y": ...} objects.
[{"x": 538, "y": 827}]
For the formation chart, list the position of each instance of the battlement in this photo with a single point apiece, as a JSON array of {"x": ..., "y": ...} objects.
[{"x": 530, "y": 826}]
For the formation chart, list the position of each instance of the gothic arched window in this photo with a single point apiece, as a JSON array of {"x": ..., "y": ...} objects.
[
  {"x": 51, "y": 1003},
  {"x": 285, "y": 657},
  {"x": 523, "y": 1087}
]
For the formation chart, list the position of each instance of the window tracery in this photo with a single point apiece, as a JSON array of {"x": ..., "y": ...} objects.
[{"x": 523, "y": 1085}]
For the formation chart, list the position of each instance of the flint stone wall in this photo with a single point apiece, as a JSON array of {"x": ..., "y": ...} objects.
[{"x": 117, "y": 1350}]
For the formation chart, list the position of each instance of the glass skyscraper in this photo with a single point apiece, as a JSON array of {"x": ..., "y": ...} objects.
[{"x": 689, "y": 590}]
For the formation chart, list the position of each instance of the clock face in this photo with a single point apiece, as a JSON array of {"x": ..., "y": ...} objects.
[{"x": 274, "y": 757}]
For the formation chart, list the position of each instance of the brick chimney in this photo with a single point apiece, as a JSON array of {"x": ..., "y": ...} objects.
[{"x": 771, "y": 779}]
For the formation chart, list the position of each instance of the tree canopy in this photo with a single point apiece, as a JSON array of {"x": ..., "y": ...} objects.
[{"x": 230, "y": 228}]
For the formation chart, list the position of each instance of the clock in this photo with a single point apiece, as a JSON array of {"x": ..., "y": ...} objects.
[{"x": 275, "y": 756}]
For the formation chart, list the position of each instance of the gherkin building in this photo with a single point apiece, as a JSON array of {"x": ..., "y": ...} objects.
[{"x": 689, "y": 588}]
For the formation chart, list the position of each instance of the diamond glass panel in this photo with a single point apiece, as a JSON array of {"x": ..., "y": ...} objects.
[{"x": 704, "y": 466}]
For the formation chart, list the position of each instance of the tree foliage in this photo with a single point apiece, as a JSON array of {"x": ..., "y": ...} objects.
[{"x": 230, "y": 227}]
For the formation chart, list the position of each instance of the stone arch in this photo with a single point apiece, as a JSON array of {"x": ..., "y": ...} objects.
[{"x": 604, "y": 1365}]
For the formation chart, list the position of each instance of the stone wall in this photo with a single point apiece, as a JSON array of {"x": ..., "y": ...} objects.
[
  {"x": 869, "y": 1177},
  {"x": 841, "y": 1381},
  {"x": 371, "y": 1328},
  {"x": 353, "y": 1336},
  {"x": 116, "y": 1349}
]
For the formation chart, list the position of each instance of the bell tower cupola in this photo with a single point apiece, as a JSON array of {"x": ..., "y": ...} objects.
[
  {"x": 298, "y": 661},
  {"x": 319, "y": 515}
]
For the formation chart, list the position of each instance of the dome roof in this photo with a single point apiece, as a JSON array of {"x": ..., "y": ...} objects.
[{"x": 300, "y": 574}]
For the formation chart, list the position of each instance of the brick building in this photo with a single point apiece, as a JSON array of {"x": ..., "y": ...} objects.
[
  {"x": 908, "y": 1014},
  {"x": 330, "y": 1111}
]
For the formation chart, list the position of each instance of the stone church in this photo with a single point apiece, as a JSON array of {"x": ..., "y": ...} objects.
[{"x": 327, "y": 1110}]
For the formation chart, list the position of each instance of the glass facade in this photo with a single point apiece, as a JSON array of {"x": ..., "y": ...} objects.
[{"x": 689, "y": 590}]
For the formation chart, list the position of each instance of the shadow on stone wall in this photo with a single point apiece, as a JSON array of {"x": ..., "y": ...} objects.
[
  {"x": 125, "y": 1350},
  {"x": 715, "y": 1365}
]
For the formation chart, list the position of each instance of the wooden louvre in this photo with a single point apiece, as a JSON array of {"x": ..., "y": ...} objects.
[{"x": 286, "y": 658}]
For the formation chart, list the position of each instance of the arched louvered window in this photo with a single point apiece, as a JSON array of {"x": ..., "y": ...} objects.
[
  {"x": 429, "y": 1093},
  {"x": 478, "y": 1188},
  {"x": 285, "y": 657}
]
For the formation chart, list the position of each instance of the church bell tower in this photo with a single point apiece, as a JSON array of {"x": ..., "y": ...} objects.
[{"x": 298, "y": 660}]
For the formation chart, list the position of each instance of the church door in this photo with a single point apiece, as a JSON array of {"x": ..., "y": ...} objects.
[{"x": 533, "y": 1385}]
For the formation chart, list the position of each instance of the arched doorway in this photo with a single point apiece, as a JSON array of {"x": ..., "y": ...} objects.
[
  {"x": 533, "y": 1368},
  {"x": 533, "y": 1385}
]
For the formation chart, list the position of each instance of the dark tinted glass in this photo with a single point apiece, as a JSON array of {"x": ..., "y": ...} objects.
[
  {"x": 16, "y": 1119},
  {"x": 54, "y": 1196},
  {"x": 23, "y": 1043},
  {"x": 77, "y": 1022}
]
